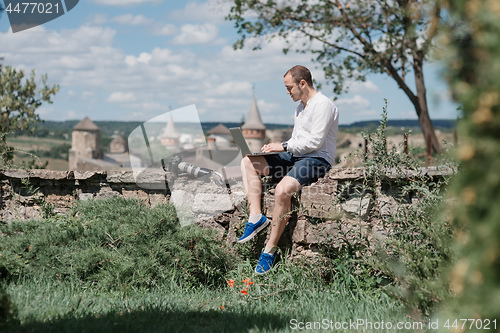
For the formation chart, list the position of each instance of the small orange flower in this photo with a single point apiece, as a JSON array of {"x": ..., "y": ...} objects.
[
  {"x": 222, "y": 307},
  {"x": 246, "y": 280},
  {"x": 245, "y": 292},
  {"x": 231, "y": 283},
  {"x": 249, "y": 283}
]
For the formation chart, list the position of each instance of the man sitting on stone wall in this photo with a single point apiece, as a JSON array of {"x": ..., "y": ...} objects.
[{"x": 306, "y": 157}]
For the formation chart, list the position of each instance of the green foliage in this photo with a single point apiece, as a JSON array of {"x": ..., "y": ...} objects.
[
  {"x": 473, "y": 61},
  {"x": 269, "y": 305},
  {"x": 19, "y": 99},
  {"x": 58, "y": 152},
  {"x": 115, "y": 265},
  {"x": 350, "y": 36},
  {"x": 351, "y": 39},
  {"x": 113, "y": 243},
  {"x": 416, "y": 246}
]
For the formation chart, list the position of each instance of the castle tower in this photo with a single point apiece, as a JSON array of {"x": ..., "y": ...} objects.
[
  {"x": 254, "y": 129},
  {"x": 85, "y": 143},
  {"x": 118, "y": 145},
  {"x": 170, "y": 137}
]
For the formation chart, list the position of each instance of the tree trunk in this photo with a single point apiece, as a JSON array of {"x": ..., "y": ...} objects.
[{"x": 420, "y": 104}]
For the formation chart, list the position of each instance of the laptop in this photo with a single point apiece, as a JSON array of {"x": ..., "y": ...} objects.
[{"x": 242, "y": 144}]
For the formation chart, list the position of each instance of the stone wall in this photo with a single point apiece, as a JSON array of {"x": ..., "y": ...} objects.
[{"x": 317, "y": 218}]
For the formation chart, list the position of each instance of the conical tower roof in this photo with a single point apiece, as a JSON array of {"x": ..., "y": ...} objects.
[
  {"x": 170, "y": 132},
  {"x": 254, "y": 122},
  {"x": 219, "y": 129},
  {"x": 119, "y": 139},
  {"x": 86, "y": 125}
]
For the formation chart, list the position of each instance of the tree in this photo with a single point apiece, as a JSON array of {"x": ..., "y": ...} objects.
[
  {"x": 351, "y": 38},
  {"x": 474, "y": 73},
  {"x": 19, "y": 99}
]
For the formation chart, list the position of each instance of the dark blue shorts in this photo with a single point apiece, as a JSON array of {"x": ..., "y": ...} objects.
[{"x": 306, "y": 170}]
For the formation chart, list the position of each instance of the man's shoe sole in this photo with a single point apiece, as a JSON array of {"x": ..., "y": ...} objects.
[{"x": 252, "y": 235}]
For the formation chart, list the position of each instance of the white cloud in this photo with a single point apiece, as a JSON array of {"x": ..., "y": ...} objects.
[
  {"x": 121, "y": 97},
  {"x": 197, "y": 34},
  {"x": 356, "y": 102},
  {"x": 139, "y": 86},
  {"x": 233, "y": 87},
  {"x": 164, "y": 29},
  {"x": 129, "y": 19},
  {"x": 211, "y": 11},
  {"x": 153, "y": 27},
  {"x": 367, "y": 87},
  {"x": 143, "y": 58},
  {"x": 355, "y": 108},
  {"x": 125, "y": 2}
]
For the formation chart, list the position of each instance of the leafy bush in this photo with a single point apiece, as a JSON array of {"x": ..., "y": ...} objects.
[
  {"x": 416, "y": 248},
  {"x": 473, "y": 61},
  {"x": 113, "y": 243}
]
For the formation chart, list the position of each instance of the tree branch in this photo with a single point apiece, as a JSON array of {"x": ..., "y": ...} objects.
[{"x": 389, "y": 68}]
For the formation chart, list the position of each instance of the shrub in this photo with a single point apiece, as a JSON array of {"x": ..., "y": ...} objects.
[
  {"x": 416, "y": 247},
  {"x": 113, "y": 243},
  {"x": 474, "y": 74}
]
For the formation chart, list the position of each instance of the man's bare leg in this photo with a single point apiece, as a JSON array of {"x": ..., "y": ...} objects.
[
  {"x": 283, "y": 193},
  {"x": 252, "y": 167}
]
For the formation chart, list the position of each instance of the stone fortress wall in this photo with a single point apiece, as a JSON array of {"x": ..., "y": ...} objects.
[{"x": 318, "y": 219}]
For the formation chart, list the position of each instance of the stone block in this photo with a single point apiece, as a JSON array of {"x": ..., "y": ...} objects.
[
  {"x": 62, "y": 201},
  {"x": 212, "y": 203},
  {"x": 15, "y": 173},
  {"x": 345, "y": 173},
  {"x": 50, "y": 174},
  {"x": 268, "y": 204},
  {"x": 386, "y": 205},
  {"x": 299, "y": 233},
  {"x": 106, "y": 193},
  {"x": 182, "y": 198},
  {"x": 84, "y": 175},
  {"x": 136, "y": 194},
  {"x": 29, "y": 212},
  {"x": 157, "y": 198},
  {"x": 318, "y": 199},
  {"x": 326, "y": 232},
  {"x": 319, "y": 193},
  {"x": 120, "y": 177},
  {"x": 85, "y": 196},
  {"x": 358, "y": 205}
]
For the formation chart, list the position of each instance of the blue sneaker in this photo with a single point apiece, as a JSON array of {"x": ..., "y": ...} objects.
[
  {"x": 265, "y": 263},
  {"x": 252, "y": 229}
]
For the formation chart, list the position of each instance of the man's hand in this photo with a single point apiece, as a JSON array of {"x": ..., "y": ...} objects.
[{"x": 272, "y": 147}]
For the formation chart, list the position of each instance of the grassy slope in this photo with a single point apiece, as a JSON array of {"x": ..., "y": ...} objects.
[
  {"x": 75, "y": 274},
  {"x": 24, "y": 144}
]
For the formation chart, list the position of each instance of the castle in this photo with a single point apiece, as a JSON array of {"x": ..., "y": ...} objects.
[{"x": 86, "y": 153}]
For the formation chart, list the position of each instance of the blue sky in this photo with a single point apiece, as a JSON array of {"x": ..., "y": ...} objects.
[{"x": 136, "y": 59}]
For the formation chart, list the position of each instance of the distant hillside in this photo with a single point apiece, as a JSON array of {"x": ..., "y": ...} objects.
[
  {"x": 60, "y": 129},
  {"x": 406, "y": 123}
]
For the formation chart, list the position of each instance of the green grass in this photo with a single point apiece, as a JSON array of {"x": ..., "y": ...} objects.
[
  {"x": 55, "y": 306},
  {"x": 42, "y": 150},
  {"x": 33, "y": 143},
  {"x": 118, "y": 266}
]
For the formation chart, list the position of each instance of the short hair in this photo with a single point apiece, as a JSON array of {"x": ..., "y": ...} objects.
[{"x": 299, "y": 73}]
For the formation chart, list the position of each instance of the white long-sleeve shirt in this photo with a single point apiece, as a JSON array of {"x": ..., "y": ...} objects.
[{"x": 315, "y": 129}]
